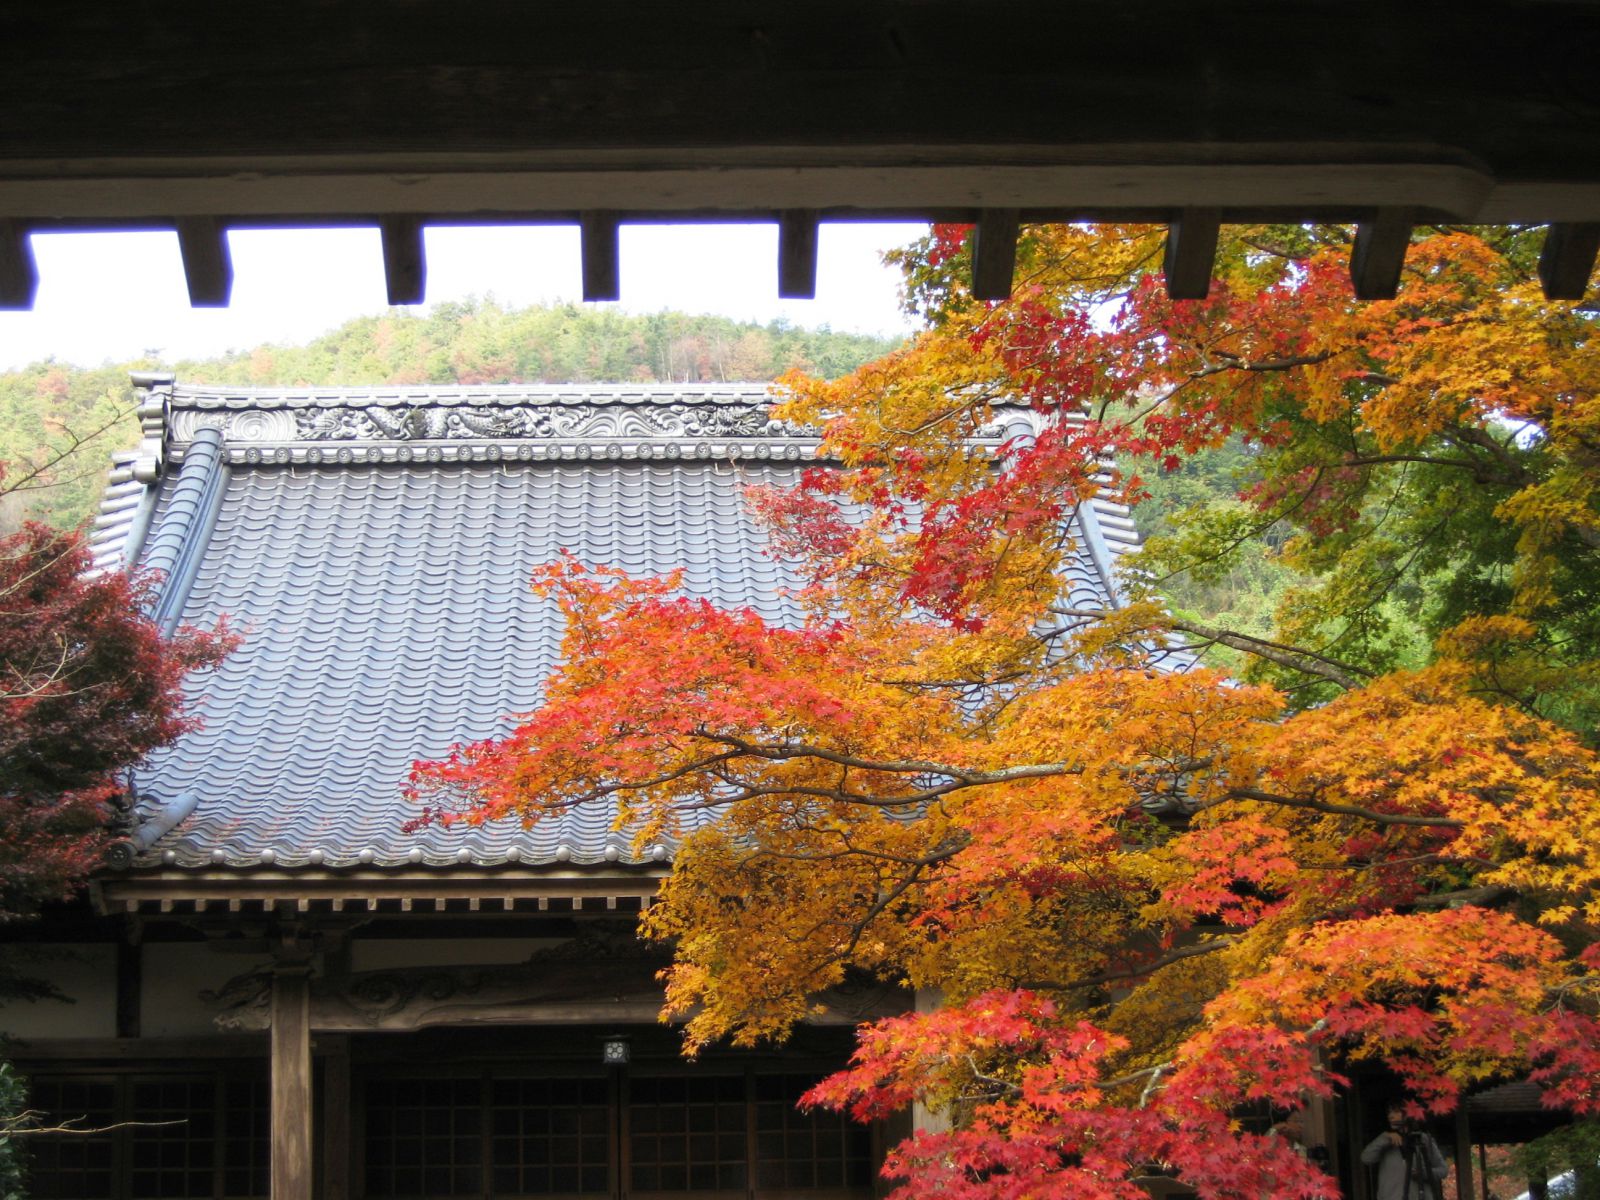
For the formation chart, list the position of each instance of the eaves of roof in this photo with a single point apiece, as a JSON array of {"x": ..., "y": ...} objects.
[{"x": 510, "y": 889}]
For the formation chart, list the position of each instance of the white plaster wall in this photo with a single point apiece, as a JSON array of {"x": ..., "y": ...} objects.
[
  {"x": 86, "y": 973},
  {"x": 392, "y": 954},
  {"x": 174, "y": 975}
]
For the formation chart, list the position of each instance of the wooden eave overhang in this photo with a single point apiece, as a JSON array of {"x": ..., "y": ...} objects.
[
  {"x": 403, "y": 890},
  {"x": 199, "y": 117}
]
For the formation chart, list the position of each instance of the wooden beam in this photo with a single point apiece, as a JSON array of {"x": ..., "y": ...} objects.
[
  {"x": 290, "y": 1038},
  {"x": 602, "y": 260},
  {"x": 405, "y": 262},
  {"x": 1191, "y": 251},
  {"x": 207, "y": 265},
  {"x": 1567, "y": 260},
  {"x": 356, "y": 888},
  {"x": 994, "y": 253},
  {"x": 1379, "y": 253},
  {"x": 19, "y": 275},
  {"x": 335, "y": 1117},
  {"x": 797, "y": 254}
]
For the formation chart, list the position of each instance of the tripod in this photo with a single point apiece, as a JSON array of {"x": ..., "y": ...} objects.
[{"x": 1415, "y": 1188}]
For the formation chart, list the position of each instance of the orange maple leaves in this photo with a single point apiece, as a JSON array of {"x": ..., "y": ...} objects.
[{"x": 1147, "y": 895}]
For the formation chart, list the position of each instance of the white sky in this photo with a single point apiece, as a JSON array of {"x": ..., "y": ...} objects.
[{"x": 114, "y": 296}]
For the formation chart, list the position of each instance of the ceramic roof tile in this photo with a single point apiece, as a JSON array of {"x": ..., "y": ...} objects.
[{"x": 376, "y": 553}]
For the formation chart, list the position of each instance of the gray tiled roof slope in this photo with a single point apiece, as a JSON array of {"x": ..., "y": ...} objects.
[{"x": 379, "y": 568}]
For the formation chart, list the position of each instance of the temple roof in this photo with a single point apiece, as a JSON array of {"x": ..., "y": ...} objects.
[{"x": 373, "y": 546}]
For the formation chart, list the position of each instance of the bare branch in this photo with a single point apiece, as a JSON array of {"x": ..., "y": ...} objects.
[{"x": 1296, "y": 658}]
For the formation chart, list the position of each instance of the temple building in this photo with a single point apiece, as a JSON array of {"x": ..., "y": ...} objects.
[{"x": 284, "y": 991}]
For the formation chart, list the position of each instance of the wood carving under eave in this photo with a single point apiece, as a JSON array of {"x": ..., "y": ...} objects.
[{"x": 578, "y": 982}]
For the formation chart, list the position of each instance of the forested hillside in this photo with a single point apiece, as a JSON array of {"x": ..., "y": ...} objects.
[{"x": 60, "y": 421}]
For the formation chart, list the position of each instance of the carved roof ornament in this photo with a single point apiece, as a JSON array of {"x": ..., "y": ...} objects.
[
  {"x": 154, "y": 393},
  {"x": 501, "y": 423}
]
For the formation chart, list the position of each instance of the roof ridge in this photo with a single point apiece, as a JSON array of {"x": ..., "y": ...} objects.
[
  {"x": 226, "y": 396},
  {"x": 176, "y": 550}
]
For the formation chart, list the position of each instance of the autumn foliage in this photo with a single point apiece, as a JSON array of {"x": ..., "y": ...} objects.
[
  {"x": 88, "y": 686},
  {"x": 1150, "y": 891}
]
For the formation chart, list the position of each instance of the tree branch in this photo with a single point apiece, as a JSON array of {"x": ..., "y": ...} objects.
[
  {"x": 1296, "y": 658},
  {"x": 1150, "y": 968},
  {"x": 1345, "y": 810}
]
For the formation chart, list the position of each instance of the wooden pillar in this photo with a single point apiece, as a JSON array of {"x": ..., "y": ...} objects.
[
  {"x": 1463, "y": 1152},
  {"x": 923, "y": 1118},
  {"x": 291, "y": 1082},
  {"x": 130, "y": 980},
  {"x": 335, "y": 1116}
]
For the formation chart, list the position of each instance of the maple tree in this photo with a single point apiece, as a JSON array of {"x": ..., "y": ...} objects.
[
  {"x": 88, "y": 686},
  {"x": 1147, "y": 895}
]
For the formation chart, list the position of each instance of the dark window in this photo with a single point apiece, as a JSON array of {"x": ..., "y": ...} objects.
[
  {"x": 189, "y": 1137},
  {"x": 815, "y": 1149},
  {"x": 247, "y": 1141},
  {"x": 424, "y": 1137},
  {"x": 73, "y": 1166},
  {"x": 173, "y": 1146},
  {"x": 687, "y": 1133},
  {"x": 551, "y": 1137},
  {"x": 498, "y": 1134}
]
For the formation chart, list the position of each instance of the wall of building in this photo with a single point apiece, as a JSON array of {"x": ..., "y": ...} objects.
[
  {"x": 172, "y": 977},
  {"x": 388, "y": 954},
  {"x": 84, "y": 973}
]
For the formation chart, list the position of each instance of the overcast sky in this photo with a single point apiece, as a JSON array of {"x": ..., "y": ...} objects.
[{"x": 111, "y": 297}]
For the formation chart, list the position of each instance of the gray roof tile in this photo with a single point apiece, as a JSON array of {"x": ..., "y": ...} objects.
[{"x": 383, "y": 591}]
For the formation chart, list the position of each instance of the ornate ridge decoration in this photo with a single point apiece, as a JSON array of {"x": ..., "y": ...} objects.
[
  {"x": 504, "y": 423},
  {"x": 435, "y": 423},
  {"x": 480, "y": 433}
]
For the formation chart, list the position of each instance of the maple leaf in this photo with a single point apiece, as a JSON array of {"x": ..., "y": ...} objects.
[{"x": 1145, "y": 896}]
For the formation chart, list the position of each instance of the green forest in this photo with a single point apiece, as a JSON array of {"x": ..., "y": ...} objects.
[{"x": 58, "y": 422}]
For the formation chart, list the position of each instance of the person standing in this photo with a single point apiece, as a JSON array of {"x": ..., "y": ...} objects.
[{"x": 1410, "y": 1164}]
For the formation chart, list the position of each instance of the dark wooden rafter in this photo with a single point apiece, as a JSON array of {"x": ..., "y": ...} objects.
[
  {"x": 1565, "y": 266},
  {"x": 602, "y": 256},
  {"x": 19, "y": 275},
  {"x": 405, "y": 264},
  {"x": 994, "y": 253},
  {"x": 1190, "y": 253},
  {"x": 379, "y": 890},
  {"x": 1566, "y": 263},
  {"x": 1379, "y": 253},
  {"x": 797, "y": 254},
  {"x": 207, "y": 263}
]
